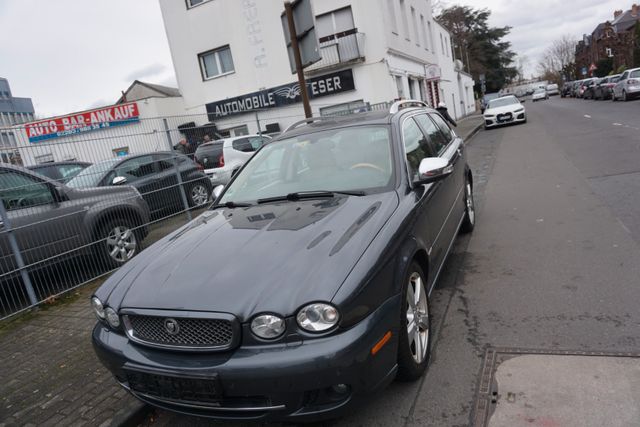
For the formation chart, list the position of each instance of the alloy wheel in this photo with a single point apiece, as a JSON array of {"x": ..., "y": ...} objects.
[
  {"x": 121, "y": 244},
  {"x": 417, "y": 318},
  {"x": 199, "y": 195},
  {"x": 471, "y": 211}
]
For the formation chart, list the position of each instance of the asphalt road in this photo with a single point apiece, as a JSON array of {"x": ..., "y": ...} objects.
[{"x": 553, "y": 263}]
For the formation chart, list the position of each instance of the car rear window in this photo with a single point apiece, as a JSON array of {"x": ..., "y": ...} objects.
[{"x": 208, "y": 155}]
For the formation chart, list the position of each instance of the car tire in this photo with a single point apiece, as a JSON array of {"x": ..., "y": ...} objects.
[
  {"x": 624, "y": 96},
  {"x": 198, "y": 194},
  {"x": 117, "y": 242},
  {"x": 469, "y": 220},
  {"x": 414, "y": 352}
]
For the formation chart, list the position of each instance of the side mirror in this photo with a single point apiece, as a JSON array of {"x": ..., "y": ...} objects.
[
  {"x": 119, "y": 180},
  {"x": 217, "y": 191},
  {"x": 433, "y": 169}
]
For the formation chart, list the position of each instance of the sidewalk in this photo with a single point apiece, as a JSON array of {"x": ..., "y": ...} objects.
[{"x": 50, "y": 373}]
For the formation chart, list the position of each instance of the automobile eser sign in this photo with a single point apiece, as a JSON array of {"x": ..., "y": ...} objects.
[{"x": 115, "y": 115}]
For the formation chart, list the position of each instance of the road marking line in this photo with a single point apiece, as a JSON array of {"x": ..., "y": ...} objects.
[
  {"x": 617, "y": 124},
  {"x": 587, "y": 116}
]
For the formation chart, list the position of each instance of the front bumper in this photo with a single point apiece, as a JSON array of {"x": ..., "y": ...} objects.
[
  {"x": 295, "y": 381},
  {"x": 493, "y": 121}
]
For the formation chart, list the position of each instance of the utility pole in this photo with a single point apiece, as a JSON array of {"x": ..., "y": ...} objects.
[{"x": 296, "y": 55}]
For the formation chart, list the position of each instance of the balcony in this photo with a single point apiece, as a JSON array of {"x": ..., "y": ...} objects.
[{"x": 339, "y": 49}]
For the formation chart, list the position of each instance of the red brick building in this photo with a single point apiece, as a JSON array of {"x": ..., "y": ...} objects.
[{"x": 612, "y": 39}]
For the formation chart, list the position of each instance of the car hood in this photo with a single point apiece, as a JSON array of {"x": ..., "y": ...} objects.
[
  {"x": 505, "y": 109},
  {"x": 266, "y": 258}
]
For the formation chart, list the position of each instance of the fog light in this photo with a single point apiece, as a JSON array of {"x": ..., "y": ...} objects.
[
  {"x": 112, "y": 318},
  {"x": 340, "y": 388}
]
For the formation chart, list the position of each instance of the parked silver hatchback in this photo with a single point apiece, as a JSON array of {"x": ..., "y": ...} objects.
[
  {"x": 220, "y": 159},
  {"x": 628, "y": 85}
]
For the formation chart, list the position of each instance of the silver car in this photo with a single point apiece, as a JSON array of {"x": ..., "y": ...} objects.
[
  {"x": 222, "y": 158},
  {"x": 52, "y": 222},
  {"x": 628, "y": 85}
]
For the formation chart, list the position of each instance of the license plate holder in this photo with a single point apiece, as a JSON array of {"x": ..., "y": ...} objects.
[{"x": 176, "y": 386}]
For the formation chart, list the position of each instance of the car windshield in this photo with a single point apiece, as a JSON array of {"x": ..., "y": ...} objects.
[
  {"x": 348, "y": 159},
  {"x": 503, "y": 102},
  {"x": 539, "y": 91},
  {"x": 91, "y": 176}
]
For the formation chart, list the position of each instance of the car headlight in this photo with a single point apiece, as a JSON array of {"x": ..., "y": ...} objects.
[
  {"x": 267, "y": 326},
  {"x": 112, "y": 317},
  {"x": 317, "y": 317},
  {"x": 98, "y": 308}
]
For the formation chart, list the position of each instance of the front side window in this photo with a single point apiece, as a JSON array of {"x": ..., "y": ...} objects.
[
  {"x": 216, "y": 62},
  {"x": 349, "y": 159},
  {"x": 416, "y": 146},
  {"x": 192, "y": 3},
  {"x": 19, "y": 191}
]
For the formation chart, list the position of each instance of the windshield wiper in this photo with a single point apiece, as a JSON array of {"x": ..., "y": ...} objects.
[
  {"x": 309, "y": 195},
  {"x": 231, "y": 205}
]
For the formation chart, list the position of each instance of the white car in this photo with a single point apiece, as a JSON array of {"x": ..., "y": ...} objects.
[
  {"x": 552, "y": 89},
  {"x": 504, "y": 110},
  {"x": 628, "y": 85},
  {"x": 222, "y": 158},
  {"x": 539, "y": 94}
]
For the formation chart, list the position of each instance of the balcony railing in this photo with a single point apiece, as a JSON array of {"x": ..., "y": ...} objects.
[{"x": 339, "y": 49}]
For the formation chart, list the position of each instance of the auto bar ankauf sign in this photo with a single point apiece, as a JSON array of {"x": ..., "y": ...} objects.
[
  {"x": 328, "y": 84},
  {"x": 86, "y": 121}
]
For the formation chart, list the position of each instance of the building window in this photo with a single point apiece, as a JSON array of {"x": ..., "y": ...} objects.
[
  {"x": 333, "y": 23},
  {"x": 44, "y": 158},
  {"x": 392, "y": 17},
  {"x": 405, "y": 19},
  {"x": 430, "y": 37},
  {"x": 194, "y": 3},
  {"x": 120, "y": 152},
  {"x": 609, "y": 52},
  {"x": 442, "y": 43},
  {"x": 415, "y": 26},
  {"x": 423, "y": 32},
  {"x": 216, "y": 62},
  {"x": 400, "y": 86},
  {"x": 446, "y": 43}
]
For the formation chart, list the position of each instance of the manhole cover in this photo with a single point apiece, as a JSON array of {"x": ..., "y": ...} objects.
[{"x": 521, "y": 387}]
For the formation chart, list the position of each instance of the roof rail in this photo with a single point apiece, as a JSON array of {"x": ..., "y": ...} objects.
[
  {"x": 304, "y": 122},
  {"x": 410, "y": 103}
]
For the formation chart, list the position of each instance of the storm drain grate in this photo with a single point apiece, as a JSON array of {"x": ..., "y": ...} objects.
[{"x": 487, "y": 395}]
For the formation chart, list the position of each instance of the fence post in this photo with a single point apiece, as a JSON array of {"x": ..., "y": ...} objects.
[
  {"x": 183, "y": 195},
  {"x": 258, "y": 122},
  {"x": 6, "y": 224}
]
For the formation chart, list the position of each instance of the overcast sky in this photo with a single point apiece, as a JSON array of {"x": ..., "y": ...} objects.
[{"x": 70, "y": 55}]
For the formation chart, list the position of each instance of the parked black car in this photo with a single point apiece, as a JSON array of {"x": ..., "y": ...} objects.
[
  {"x": 52, "y": 222},
  {"x": 154, "y": 176},
  {"x": 306, "y": 286},
  {"x": 604, "y": 87},
  {"x": 60, "y": 171},
  {"x": 590, "y": 88}
]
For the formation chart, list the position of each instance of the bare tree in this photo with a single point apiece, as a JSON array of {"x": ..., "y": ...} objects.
[{"x": 557, "y": 58}]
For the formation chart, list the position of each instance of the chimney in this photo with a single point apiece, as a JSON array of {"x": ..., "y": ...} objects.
[
  {"x": 634, "y": 10},
  {"x": 617, "y": 13}
]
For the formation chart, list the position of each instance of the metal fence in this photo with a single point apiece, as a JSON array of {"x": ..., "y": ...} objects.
[{"x": 110, "y": 192}]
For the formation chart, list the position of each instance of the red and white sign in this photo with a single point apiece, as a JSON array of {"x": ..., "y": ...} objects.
[{"x": 86, "y": 121}]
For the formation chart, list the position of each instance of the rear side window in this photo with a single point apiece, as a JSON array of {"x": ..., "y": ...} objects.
[
  {"x": 244, "y": 145},
  {"x": 635, "y": 74}
]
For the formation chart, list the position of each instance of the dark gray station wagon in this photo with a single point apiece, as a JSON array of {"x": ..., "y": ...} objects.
[{"x": 306, "y": 285}]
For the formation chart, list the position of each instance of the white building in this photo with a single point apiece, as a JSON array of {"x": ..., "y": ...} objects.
[
  {"x": 231, "y": 61},
  {"x": 137, "y": 123}
]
